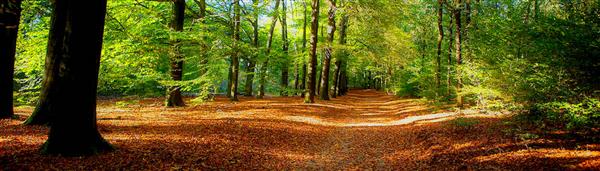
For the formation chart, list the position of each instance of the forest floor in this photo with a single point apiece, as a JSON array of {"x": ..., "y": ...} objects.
[{"x": 364, "y": 130}]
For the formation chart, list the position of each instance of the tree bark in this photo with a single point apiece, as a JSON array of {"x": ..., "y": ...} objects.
[
  {"x": 458, "y": 41},
  {"x": 438, "y": 60},
  {"x": 10, "y": 14},
  {"x": 342, "y": 54},
  {"x": 203, "y": 45},
  {"x": 449, "y": 64},
  {"x": 312, "y": 71},
  {"x": 174, "y": 98},
  {"x": 304, "y": 69},
  {"x": 235, "y": 59},
  {"x": 76, "y": 44},
  {"x": 324, "y": 94},
  {"x": 284, "y": 36},
  {"x": 251, "y": 62},
  {"x": 264, "y": 67}
]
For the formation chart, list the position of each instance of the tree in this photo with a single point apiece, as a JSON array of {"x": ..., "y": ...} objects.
[
  {"x": 10, "y": 14},
  {"x": 235, "y": 60},
  {"x": 75, "y": 46},
  {"x": 304, "y": 69},
  {"x": 174, "y": 97},
  {"x": 251, "y": 62},
  {"x": 285, "y": 48},
  {"x": 457, "y": 47},
  {"x": 312, "y": 70},
  {"x": 203, "y": 45},
  {"x": 339, "y": 59},
  {"x": 324, "y": 94},
  {"x": 264, "y": 67},
  {"x": 438, "y": 60}
]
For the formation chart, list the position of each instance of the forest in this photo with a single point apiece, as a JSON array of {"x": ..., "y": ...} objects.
[{"x": 299, "y": 84}]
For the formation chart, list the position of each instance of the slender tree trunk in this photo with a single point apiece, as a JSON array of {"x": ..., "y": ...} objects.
[
  {"x": 263, "y": 77},
  {"x": 10, "y": 14},
  {"x": 304, "y": 69},
  {"x": 203, "y": 45},
  {"x": 250, "y": 70},
  {"x": 235, "y": 59},
  {"x": 174, "y": 97},
  {"x": 296, "y": 78},
  {"x": 438, "y": 61},
  {"x": 458, "y": 41},
  {"x": 312, "y": 71},
  {"x": 449, "y": 64},
  {"x": 324, "y": 94},
  {"x": 284, "y": 36},
  {"x": 340, "y": 58},
  {"x": 76, "y": 44}
]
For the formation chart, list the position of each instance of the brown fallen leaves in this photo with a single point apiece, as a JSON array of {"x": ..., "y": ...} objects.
[{"x": 364, "y": 130}]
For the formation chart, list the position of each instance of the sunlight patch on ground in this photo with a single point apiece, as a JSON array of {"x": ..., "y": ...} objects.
[
  {"x": 407, "y": 120},
  {"x": 540, "y": 153}
]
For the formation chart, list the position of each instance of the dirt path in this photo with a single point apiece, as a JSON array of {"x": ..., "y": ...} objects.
[{"x": 364, "y": 130}]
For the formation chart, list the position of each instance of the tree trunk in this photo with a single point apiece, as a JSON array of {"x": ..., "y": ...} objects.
[
  {"x": 312, "y": 71},
  {"x": 304, "y": 69},
  {"x": 336, "y": 78},
  {"x": 296, "y": 78},
  {"x": 284, "y": 36},
  {"x": 342, "y": 54},
  {"x": 458, "y": 41},
  {"x": 48, "y": 95},
  {"x": 203, "y": 45},
  {"x": 438, "y": 60},
  {"x": 264, "y": 67},
  {"x": 174, "y": 97},
  {"x": 76, "y": 44},
  {"x": 250, "y": 70},
  {"x": 449, "y": 64},
  {"x": 235, "y": 59},
  {"x": 324, "y": 94},
  {"x": 10, "y": 14}
]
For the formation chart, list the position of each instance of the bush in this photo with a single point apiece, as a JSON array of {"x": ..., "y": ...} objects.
[{"x": 581, "y": 116}]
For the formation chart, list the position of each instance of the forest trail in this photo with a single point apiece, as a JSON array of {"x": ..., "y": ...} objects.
[{"x": 366, "y": 129}]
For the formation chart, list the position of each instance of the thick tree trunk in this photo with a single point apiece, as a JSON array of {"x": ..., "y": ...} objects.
[
  {"x": 251, "y": 63},
  {"x": 174, "y": 97},
  {"x": 76, "y": 44},
  {"x": 312, "y": 71},
  {"x": 264, "y": 67},
  {"x": 10, "y": 14},
  {"x": 438, "y": 61},
  {"x": 235, "y": 59},
  {"x": 458, "y": 41},
  {"x": 48, "y": 95},
  {"x": 284, "y": 36}
]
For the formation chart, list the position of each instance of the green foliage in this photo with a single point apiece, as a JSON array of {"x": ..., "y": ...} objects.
[{"x": 573, "y": 116}]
